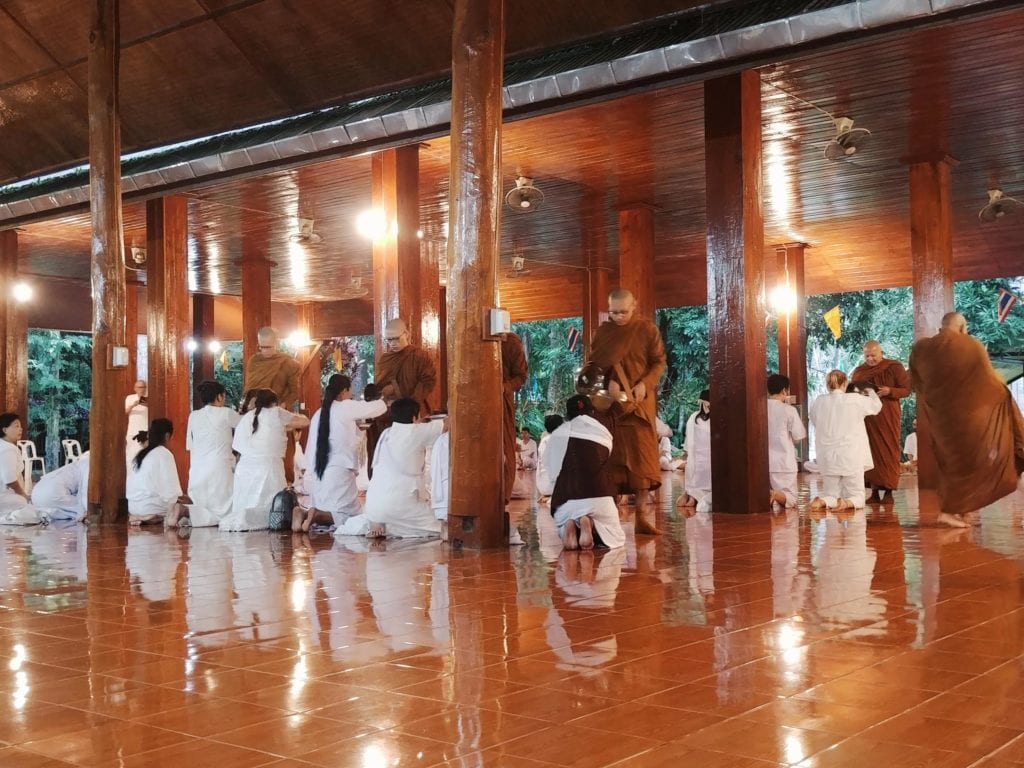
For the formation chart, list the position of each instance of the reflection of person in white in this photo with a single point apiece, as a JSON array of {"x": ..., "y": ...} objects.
[
  {"x": 527, "y": 450},
  {"x": 136, "y": 408}
]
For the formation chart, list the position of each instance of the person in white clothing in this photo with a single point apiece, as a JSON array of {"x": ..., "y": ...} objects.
[
  {"x": 439, "y": 477},
  {"x": 153, "y": 488},
  {"x": 208, "y": 440},
  {"x": 697, "y": 480},
  {"x": 332, "y": 454},
  {"x": 526, "y": 447},
  {"x": 136, "y": 408},
  {"x": 785, "y": 429},
  {"x": 910, "y": 449},
  {"x": 261, "y": 438},
  {"x": 15, "y": 508},
  {"x": 841, "y": 440},
  {"x": 64, "y": 493},
  {"x": 546, "y": 483},
  {"x": 396, "y": 499}
]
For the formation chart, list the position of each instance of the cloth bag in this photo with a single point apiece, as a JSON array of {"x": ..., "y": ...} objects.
[{"x": 281, "y": 509}]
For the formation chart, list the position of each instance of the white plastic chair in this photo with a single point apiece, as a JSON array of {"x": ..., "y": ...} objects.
[
  {"x": 72, "y": 450},
  {"x": 28, "y": 455}
]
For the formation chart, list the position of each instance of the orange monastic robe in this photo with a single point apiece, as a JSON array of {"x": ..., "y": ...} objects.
[
  {"x": 279, "y": 373},
  {"x": 636, "y": 347},
  {"x": 884, "y": 428},
  {"x": 412, "y": 373},
  {"x": 513, "y": 375},
  {"x": 976, "y": 429}
]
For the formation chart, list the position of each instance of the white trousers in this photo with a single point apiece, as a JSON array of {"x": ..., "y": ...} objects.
[{"x": 835, "y": 487}]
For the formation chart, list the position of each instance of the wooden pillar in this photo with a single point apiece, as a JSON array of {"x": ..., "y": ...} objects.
[
  {"x": 476, "y": 515},
  {"x": 739, "y": 444},
  {"x": 13, "y": 331},
  {"x": 107, "y": 420},
  {"x": 397, "y": 286},
  {"x": 310, "y": 390},
  {"x": 169, "y": 319},
  {"x": 636, "y": 255},
  {"x": 132, "y": 287},
  {"x": 431, "y": 307},
  {"x": 203, "y": 360},
  {"x": 793, "y": 324},
  {"x": 931, "y": 247},
  {"x": 442, "y": 348},
  {"x": 255, "y": 302},
  {"x": 595, "y": 302}
]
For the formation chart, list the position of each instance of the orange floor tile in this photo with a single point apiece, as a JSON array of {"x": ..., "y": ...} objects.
[{"x": 732, "y": 640}]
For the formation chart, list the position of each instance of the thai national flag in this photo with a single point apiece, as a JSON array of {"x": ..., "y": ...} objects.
[
  {"x": 1005, "y": 303},
  {"x": 573, "y": 338}
]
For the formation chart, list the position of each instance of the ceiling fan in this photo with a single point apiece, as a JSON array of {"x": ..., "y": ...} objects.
[
  {"x": 848, "y": 140},
  {"x": 519, "y": 268},
  {"x": 999, "y": 205},
  {"x": 306, "y": 234},
  {"x": 524, "y": 197}
]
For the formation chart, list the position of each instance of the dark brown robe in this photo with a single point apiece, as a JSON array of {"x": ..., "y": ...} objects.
[
  {"x": 975, "y": 428},
  {"x": 884, "y": 428},
  {"x": 513, "y": 375},
  {"x": 279, "y": 373},
  {"x": 584, "y": 471},
  {"x": 637, "y": 348}
]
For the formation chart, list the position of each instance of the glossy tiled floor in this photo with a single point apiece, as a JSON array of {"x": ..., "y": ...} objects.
[{"x": 729, "y": 641}]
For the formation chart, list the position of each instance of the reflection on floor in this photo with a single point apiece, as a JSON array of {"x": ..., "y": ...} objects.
[{"x": 729, "y": 641}]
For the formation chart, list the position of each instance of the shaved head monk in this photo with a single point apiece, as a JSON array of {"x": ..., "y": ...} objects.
[
  {"x": 892, "y": 383},
  {"x": 272, "y": 369},
  {"x": 974, "y": 426},
  {"x": 628, "y": 348}
]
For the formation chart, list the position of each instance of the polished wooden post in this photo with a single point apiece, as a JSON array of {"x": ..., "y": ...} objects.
[
  {"x": 431, "y": 308},
  {"x": 132, "y": 287},
  {"x": 736, "y": 312},
  {"x": 169, "y": 319},
  {"x": 397, "y": 286},
  {"x": 793, "y": 324},
  {"x": 14, "y": 330},
  {"x": 595, "y": 303},
  {"x": 107, "y": 420},
  {"x": 255, "y": 301},
  {"x": 442, "y": 348},
  {"x": 203, "y": 360},
  {"x": 476, "y": 516},
  {"x": 636, "y": 255},
  {"x": 931, "y": 247},
  {"x": 310, "y": 390}
]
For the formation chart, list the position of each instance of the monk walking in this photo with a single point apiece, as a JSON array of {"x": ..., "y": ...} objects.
[
  {"x": 513, "y": 376},
  {"x": 628, "y": 349},
  {"x": 892, "y": 383},
  {"x": 278, "y": 372},
  {"x": 975, "y": 428}
]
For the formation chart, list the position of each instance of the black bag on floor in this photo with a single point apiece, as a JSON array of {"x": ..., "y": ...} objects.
[{"x": 281, "y": 510}]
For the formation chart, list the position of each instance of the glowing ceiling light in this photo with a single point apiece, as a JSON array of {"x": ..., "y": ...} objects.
[
  {"x": 372, "y": 223},
  {"x": 191, "y": 345},
  {"x": 214, "y": 347},
  {"x": 299, "y": 338},
  {"x": 783, "y": 299},
  {"x": 22, "y": 292}
]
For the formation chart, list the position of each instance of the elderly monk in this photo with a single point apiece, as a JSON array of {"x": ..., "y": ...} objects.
[
  {"x": 976, "y": 429},
  {"x": 513, "y": 376},
  {"x": 628, "y": 348},
  {"x": 278, "y": 372},
  {"x": 890, "y": 380}
]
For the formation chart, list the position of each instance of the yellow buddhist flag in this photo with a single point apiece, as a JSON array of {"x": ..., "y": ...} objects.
[
  {"x": 338, "y": 360},
  {"x": 834, "y": 322},
  {"x": 224, "y": 359}
]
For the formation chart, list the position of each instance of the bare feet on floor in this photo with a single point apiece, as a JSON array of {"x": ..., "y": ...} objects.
[
  {"x": 843, "y": 504},
  {"x": 298, "y": 515},
  {"x": 376, "y": 531},
  {"x": 642, "y": 528},
  {"x": 818, "y": 503},
  {"x": 569, "y": 536},
  {"x": 586, "y": 538},
  {"x": 307, "y": 523},
  {"x": 953, "y": 521},
  {"x": 686, "y": 500}
]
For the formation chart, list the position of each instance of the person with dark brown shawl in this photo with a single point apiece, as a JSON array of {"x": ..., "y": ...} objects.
[
  {"x": 628, "y": 348},
  {"x": 278, "y": 372},
  {"x": 892, "y": 384},
  {"x": 513, "y": 375},
  {"x": 975, "y": 428}
]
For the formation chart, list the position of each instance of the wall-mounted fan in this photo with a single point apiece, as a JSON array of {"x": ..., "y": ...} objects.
[
  {"x": 848, "y": 141},
  {"x": 999, "y": 205},
  {"x": 136, "y": 258},
  {"x": 524, "y": 197},
  {"x": 306, "y": 235},
  {"x": 519, "y": 268}
]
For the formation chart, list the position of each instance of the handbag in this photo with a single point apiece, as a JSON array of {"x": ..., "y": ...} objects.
[{"x": 281, "y": 510}]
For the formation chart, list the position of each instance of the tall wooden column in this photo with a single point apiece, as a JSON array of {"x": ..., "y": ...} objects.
[
  {"x": 636, "y": 255},
  {"x": 476, "y": 516},
  {"x": 13, "y": 331},
  {"x": 203, "y": 360},
  {"x": 595, "y": 301},
  {"x": 931, "y": 247},
  {"x": 431, "y": 309},
  {"x": 255, "y": 301},
  {"x": 397, "y": 287},
  {"x": 793, "y": 325},
  {"x": 169, "y": 319},
  {"x": 132, "y": 287},
  {"x": 310, "y": 391},
  {"x": 739, "y": 444},
  {"x": 442, "y": 348},
  {"x": 107, "y": 420}
]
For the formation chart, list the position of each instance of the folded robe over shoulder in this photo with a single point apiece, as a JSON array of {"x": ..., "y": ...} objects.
[{"x": 977, "y": 433}]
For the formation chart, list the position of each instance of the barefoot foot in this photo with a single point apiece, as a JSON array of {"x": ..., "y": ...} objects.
[
  {"x": 298, "y": 515},
  {"x": 307, "y": 523},
  {"x": 586, "y": 539},
  {"x": 569, "y": 536},
  {"x": 376, "y": 531},
  {"x": 953, "y": 521},
  {"x": 642, "y": 528}
]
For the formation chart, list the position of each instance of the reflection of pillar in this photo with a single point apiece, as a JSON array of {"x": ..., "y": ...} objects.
[
  {"x": 636, "y": 256},
  {"x": 397, "y": 285},
  {"x": 476, "y": 516},
  {"x": 169, "y": 319},
  {"x": 793, "y": 325},
  {"x": 735, "y": 236},
  {"x": 203, "y": 360},
  {"x": 14, "y": 330},
  {"x": 107, "y": 420},
  {"x": 255, "y": 301},
  {"x": 931, "y": 246}
]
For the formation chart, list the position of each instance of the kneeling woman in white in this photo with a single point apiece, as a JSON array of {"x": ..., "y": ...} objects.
[
  {"x": 208, "y": 440},
  {"x": 64, "y": 493},
  {"x": 841, "y": 442},
  {"x": 396, "y": 499},
  {"x": 697, "y": 479},
  {"x": 15, "y": 508},
  {"x": 332, "y": 452},
  {"x": 261, "y": 438},
  {"x": 153, "y": 488}
]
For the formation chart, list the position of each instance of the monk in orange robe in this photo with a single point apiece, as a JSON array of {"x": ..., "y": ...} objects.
[
  {"x": 975, "y": 428},
  {"x": 628, "y": 349},
  {"x": 278, "y": 372},
  {"x": 513, "y": 375},
  {"x": 892, "y": 383}
]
